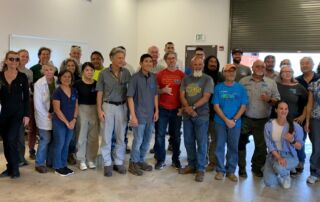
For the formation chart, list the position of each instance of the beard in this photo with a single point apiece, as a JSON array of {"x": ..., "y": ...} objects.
[
  {"x": 197, "y": 73},
  {"x": 236, "y": 61}
]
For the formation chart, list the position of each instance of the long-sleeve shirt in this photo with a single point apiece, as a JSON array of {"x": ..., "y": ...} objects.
[
  {"x": 14, "y": 98},
  {"x": 285, "y": 145}
]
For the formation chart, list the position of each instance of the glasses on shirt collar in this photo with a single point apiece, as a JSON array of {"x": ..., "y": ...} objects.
[{"x": 14, "y": 59}]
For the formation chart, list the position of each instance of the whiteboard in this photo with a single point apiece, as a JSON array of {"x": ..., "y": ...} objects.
[{"x": 60, "y": 48}]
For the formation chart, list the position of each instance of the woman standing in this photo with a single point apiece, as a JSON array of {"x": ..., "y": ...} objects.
[
  {"x": 283, "y": 137},
  {"x": 71, "y": 65},
  {"x": 87, "y": 124},
  {"x": 43, "y": 90},
  {"x": 14, "y": 98},
  {"x": 65, "y": 107}
]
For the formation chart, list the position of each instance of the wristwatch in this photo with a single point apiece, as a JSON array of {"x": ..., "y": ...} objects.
[
  {"x": 193, "y": 107},
  {"x": 235, "y": 120}
]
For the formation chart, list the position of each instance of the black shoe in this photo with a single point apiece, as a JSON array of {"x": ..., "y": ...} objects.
[
  {"x": 5, "y": 173},
  {"x": 68, "y": 171},
  {"x": 32, "y": 154},
  {"x": 107, "y": 171},
  {"x": 170, "y": 147},
  {"x": 120, "y": 169},
  {"x": 14, "y": 176},
  {"x": 128, "y": 150},
  {"x": 152, "y": 151},
  {"x": 257, "y": 173},
  {"x": 61, "y": 172},
  {"x": 176, "y": 164},
  {"x": 23, "y": 163},
  {"x": 159, "y": 165},
  {"x": 243, "y": 173}
]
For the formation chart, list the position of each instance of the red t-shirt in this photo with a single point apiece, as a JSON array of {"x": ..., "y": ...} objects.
[{"x": 173, "y": 79}]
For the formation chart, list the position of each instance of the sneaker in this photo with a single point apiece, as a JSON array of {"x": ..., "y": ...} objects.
[
  {"x": 91, "y": 165},
  {"x": 5, "y": 173},
  {"x": 107, "y": 171},
  {"x": 83, "y": 166},
  {"x": 61, "y": 172},
  {"x": 120, "y": 169},
  {"x": 159, "y": 165},
  {"x": 68, "y": 170},
  {"x": 134, "y": 168},
  {"x": 286, "y": 183},
  {"x": 144, "y": 166},
  {"x": 232, "y": 177},
  {"x": 312, "y": 179},
  {"x": 176, "y": 164},
  {"x": 41, "y": 169},
  {"x": 199, "y": 176},
  {"x": 211, "y": 167},
  {"x": 243, "y": 173},
  {"x": 187, "y": 170},
  {"x": 219, "y": 176}
]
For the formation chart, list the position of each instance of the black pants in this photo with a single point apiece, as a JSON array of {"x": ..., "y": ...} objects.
[{"x": 10, "y": 131}]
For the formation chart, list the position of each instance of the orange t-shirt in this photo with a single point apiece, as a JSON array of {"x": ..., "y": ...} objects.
[{"x": 173, "y": 79}]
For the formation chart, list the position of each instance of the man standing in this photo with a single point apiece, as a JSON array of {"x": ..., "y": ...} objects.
[
  {"x": 143, "y": 104},
  {"x": 97, "y": 61},
  {"x": 154, "y": 52},
  {"x": 195, "y": 92},
  {"x": 242, "y": 70},
  {"x": 112, "y": 110},
  {"x": 169, "y": 81},
  {"x": 262, "y": 93},
  {"x": 169, "y": 48},
  {"x": 199, "y": 52},
  {"x": 308, "y": 76},
  {"x": 270, "y": 62}
]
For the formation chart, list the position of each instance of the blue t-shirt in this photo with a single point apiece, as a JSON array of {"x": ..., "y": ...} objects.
[
  {"x": 67, "y": 104},
  {"x": 230, "y": 99}
]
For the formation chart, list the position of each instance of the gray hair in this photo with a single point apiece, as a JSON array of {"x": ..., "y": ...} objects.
[
  {"x": 309, "y": 59},
  {"x": 116, "y": 50}
]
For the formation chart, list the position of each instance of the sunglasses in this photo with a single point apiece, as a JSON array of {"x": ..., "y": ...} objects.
[{"x": 14, "y": 59}]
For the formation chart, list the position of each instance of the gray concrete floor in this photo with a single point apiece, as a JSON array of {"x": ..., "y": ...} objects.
[{"x": 165, "y": 185}]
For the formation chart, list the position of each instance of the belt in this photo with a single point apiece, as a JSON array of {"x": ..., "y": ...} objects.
[{"x": 115, "y": 103}]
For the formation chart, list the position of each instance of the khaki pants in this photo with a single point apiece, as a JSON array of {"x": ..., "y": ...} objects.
[{"x": 88, "y": 133}]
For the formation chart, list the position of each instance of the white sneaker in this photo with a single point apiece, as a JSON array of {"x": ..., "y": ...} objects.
[
  {"x": 83, "y": 166},
  {"x": 312, "y": 179},
  {"x": 286, "y": 182},
  {"x": 91, "y": 165}
]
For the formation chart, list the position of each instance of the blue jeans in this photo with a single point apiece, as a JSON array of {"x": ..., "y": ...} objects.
[
  {"x": 43, "y": 151},
  {"x": 272, "y": 169},
  {"x": 141, "y": 140},
  {"x": 314, "y": 136},
  {"x": 231, "y": 137},
  {"x": 166, "y": 117},
  {"x": 62, "y": 136},
  {"x": 195, "y": 131},
  {"x": 301, "y": 153}
]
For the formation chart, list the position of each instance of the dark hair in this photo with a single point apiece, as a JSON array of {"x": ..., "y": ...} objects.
[
  {"x": 290, "y": 121},
  {"x": 96, "y": 53},
  {"x": 144, "y": 56},
  {"x": 64, "y": 63},
  {"x": 85, "y": 65},
  {"x": 214, "y": 74},
  {"x": 199, "y": 49},
  {"x": 61, "y": 73},
  {"x": 43, "y": 49},
  {"x": 122, "y": 47},
  {"x": 269, "y": 57}
]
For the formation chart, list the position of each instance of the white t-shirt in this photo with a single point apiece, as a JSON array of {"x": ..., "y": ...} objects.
[{"x": 276, "y": 134}]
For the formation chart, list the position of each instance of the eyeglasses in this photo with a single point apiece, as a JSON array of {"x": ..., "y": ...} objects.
[
  {"x": 14, "y": 59},
  {"x": 75, "y": 46}
]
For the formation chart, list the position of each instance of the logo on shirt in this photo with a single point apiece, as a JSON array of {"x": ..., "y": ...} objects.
[{"x": 193, "y": 89}]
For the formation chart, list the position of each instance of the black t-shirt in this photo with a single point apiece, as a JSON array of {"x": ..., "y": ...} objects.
[{"x": 87, "y": 94}]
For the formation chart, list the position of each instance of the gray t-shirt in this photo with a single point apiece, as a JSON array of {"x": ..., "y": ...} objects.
[
  {"x": 257, "y": 108},
  {"x": 143, "y": 89},
  {"x": 114, "y": 89},
  {"x": 242, "y": 71},
  {"x": 157, "y": 68},
  {"x": 194, "y": 88}
]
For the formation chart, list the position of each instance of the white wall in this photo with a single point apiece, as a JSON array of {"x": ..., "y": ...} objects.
[
  {"x": 102, "y": 24},
  {"x": 160, "y": 21}
]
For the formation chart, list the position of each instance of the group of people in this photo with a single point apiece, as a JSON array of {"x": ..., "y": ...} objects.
[{"x": 72, "y": 107}]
